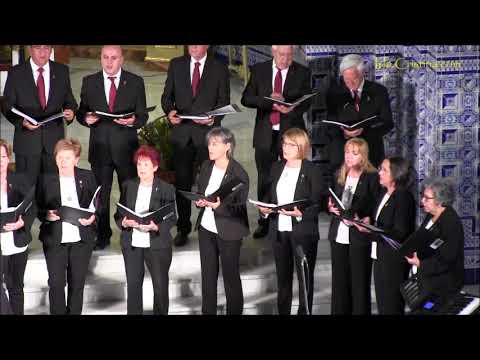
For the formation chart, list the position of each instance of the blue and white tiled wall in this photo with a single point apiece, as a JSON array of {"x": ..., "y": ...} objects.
[{"x": 434, "y": 94}]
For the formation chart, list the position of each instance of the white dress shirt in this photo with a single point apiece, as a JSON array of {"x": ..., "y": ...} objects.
[
  {"x": 107, "y": 82},
  {"x": 373, "y": 254},
  {"x": 359, "y": 90},
  {"x": 285, "y": 194},
  {"x": 284, "y": 73},
  {"x": 68, "y": 193},
  {"x": 142, "y": 204},
  {"x": 200, "y": 68},
  {"x": 6, "y": 238},
  {"x": 46, "y": 76},
  {"x": 343, "y": 233},
  {"x": 208, "y": 218}
]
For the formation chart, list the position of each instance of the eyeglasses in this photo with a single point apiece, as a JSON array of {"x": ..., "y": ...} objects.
[
  {"x": 289, "y": 145},
  {"x": 427, "y": 197}
]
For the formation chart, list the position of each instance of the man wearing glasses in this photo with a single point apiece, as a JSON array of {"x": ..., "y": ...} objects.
[
  {"x": 38, "y": 88},
  {"x": 283, "y": 79}
]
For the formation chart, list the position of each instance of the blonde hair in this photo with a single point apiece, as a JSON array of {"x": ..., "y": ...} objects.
[
  {"x": 7, "y": 147},
  {"x": 365, "y": 164},
  {"x": 299, "y": 137},
  {"x": 68, "y": 144}
]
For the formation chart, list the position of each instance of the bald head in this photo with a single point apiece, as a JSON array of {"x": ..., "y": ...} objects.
[{"x": 112, "y": 59}]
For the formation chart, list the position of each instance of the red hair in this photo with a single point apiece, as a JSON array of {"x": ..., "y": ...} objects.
[{"x": 148, "y": 152}]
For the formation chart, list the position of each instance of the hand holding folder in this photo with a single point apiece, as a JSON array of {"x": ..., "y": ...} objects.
[
  {"x": 225, "y": 110},
  {"x": 225, "y": 190},
  {"x": 121, "y": 115},
  {"x": 291, "y": 104},
  {"x": 10, "y": 215},
  {"x": 72, "y": 215},
  {"x": 351, "y": 127},
  {"x": 157, "y": 216},
  {"x": 303, "y": 203},
  {"x": 36, "y": 122}
]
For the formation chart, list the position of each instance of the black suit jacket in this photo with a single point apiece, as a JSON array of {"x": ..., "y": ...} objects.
[
  {"x": 21, "y": 93},
  {"x": 443, "y": 272},
  {"x": 259, "y": 85},
  {"x": 213, "y": 92},
  {"x": 49, "y": 198},
  {"x": 340, "y": 106},
  {"x": 397, "y": 218},
  {"x": 110, "y": 141},
  {"x": 231, "y": 216},
  {"x": 162, "y": 194},
  {"x": 309, "y": 186},
  {"x": 18, "y": 186},
  {"x": 363, "y": 204}
]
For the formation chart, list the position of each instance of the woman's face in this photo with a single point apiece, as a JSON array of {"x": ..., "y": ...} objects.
[
  {"x": 4, "y": 160},
  {"x": 385, "y": 174},
  {"x": 428, "y": 201},
  {"x": 66, "y": 161},
  {"x": 290, "y": 149},
  {"x": 353, "y": 158},
  {"x": 217, "y": 149},
  {"x": 145, "y": 168}
]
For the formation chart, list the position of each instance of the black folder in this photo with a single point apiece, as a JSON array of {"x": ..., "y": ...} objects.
[
  {"x": 300, "y": 204},
  {"x": 11, "y": 215},
  {"x": 123, "y": 115},
  {"x": 158, "y": 216},
  {"x": 421, "y": 240},
  {"x": 338, "y": 203},
  {"x": 370, "y": 227},
  {"x": 353, "y": 126},
  {"x": 72, "y": 214},
  {"x": 295, "y": 103},
  {"x": 225, "y": 190}
]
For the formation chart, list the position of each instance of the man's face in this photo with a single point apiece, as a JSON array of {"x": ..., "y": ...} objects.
[
  {"x": 197, "y": 51},
  {"x": 283, "y": 56},
  {"x": 112, "y": 59},
  {"x": 352, "y": 78},
  {"x": 40, "y": 54}
]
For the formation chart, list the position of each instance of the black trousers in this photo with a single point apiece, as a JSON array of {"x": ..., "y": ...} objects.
[
  {"x": 351, "y": 279},
  {"x": 388, "y": 275},
  {"x": 264, "y": 158},
  {"x": 67, "y": 264},
  {"x": 5, "y": 308},
  {"x": 187, "y": 160},
  {"x": 34, "y": 165},
  {"x": 285, "y": 260},
  {"x": 211, "y": 247},
  {"x": 13, "y": 272},
  {"x": 158, "y": 263},
  {"x": 104, "y": 177}
]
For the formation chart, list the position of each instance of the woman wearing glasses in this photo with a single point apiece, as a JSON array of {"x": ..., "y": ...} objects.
[
  {"x": 294, "y": 178},
  {"x": 357, "y": 186},
  {"x": 441, "y": 272}
]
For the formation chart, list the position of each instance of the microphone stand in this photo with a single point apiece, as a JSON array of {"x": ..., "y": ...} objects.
[{"x": 304, "y": 274}]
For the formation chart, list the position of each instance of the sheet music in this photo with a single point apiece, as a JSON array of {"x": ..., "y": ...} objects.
[{"x": 35, "y": 122}]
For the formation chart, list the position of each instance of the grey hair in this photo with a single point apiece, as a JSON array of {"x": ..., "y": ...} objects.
[
  {"x": 294, "y": 47},
  {"x": 442, "y": 188},
  {"x": 352, "y": 60},
  {"x": 225, "y": 135}
]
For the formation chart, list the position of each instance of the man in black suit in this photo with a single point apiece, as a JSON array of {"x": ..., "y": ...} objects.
[
  {"x": 38, "y": 88},
  {"x": 112, "y": 141},
  {"x": 196, "y": 83},
  {"x": 353, "y": 100},
  {"x": 282, "y": 79}
]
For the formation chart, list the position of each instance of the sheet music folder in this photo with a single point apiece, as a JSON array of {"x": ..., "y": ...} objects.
[
  {"x": 161, "y": 214},
  {"x": 71, "y": 214},
  {"x": 225, "y": 110},
  {"x": 351, "y": 127},
  {"x": 295, "y": 103},
  {"x": 11, "y": 214},
  {"x": 224, "y": 191},
  {"x": 121, "y": 116},
  {"x": 35, "y": 121},
  {"x": 303, "y": 203}
]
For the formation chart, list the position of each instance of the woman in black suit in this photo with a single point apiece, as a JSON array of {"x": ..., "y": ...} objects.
[
  {"x": 357, "y": 186},
  {"x": 394, "y": 212},
  {"x": 14, "y": 237},
  {"x": 294, "y": 178},
  {"x": 67, "y": 247},
  {"x": 441, "y": 271},
  {"x": 221, "y": 224},
  {"x": 146, "y": 244}
]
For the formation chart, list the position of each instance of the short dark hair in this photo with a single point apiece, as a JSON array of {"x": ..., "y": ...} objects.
[
  {"x": 400, "y": 171},
  {"x": 146, "y": 151}
]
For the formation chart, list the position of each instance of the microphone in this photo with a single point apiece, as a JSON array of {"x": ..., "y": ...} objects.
[{"x": 300, "y": 253}]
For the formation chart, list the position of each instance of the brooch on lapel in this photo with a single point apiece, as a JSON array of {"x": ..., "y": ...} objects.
[
  {"x": 53, "y": 76},
  {"x": 81, "y": 183},
  {"x": 124, "y": 82},
  {"x": 156, "y": 188}
]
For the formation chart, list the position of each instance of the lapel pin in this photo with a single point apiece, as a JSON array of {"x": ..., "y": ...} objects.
[{"x": 124, "y": 82}]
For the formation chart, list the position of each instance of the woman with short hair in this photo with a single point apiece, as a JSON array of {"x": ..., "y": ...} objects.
[
  {"x": 294, "y": 178},
  {"x": 67, "y": 247}
]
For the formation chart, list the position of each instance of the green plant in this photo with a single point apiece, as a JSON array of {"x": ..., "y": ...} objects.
[{"x": 156, "y": 133}]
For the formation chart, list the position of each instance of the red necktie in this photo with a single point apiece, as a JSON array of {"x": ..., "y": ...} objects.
[
  {"x": 112, "y": 95},
  {"x": 41, "y": 88},
  {"x": 277, "y": 88},
  {"x": 195, "y": 79},
  {"x": 356, "y": 100}
]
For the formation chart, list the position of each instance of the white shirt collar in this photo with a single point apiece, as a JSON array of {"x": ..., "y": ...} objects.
[
  {"x": 201, "y": 61},
  {"x": 35, "y": 67},
  {"x": 117, "y": 75}
]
